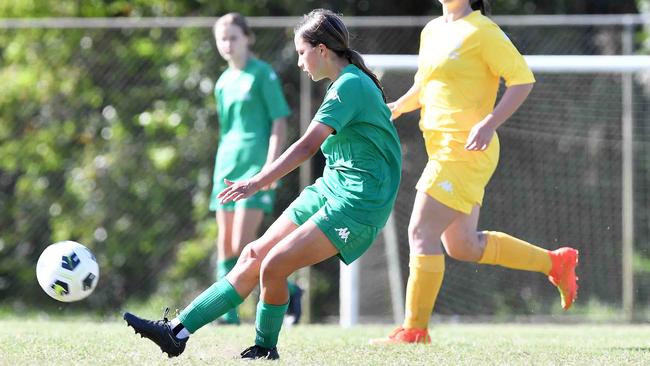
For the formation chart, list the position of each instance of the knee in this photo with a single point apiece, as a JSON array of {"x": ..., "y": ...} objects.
[
  {"x": 272, "y": 268},
  {"x": 418, "y": 233},
  {"x": 423, "y": 239},
  {"x": 463, "y": 248},
  {"x": 250, "y": 261}
]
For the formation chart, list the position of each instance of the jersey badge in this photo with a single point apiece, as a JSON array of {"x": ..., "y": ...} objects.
[
  {"x": 334, "y": 95},
  {"x": 446, "y": 186}
]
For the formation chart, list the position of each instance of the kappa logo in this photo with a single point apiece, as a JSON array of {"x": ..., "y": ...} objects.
[
  {"x": 343, "y": 233},
  {"x": 334, "y": 95},
  {"x": 324, "y": 216},
  {"x": 446, "y": 186},
  {"x": 455, "y": 50},
  {"x": 266, "y": 199}
]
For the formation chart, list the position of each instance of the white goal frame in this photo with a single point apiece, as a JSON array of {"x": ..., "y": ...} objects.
[{"x": 624, "y": 65}]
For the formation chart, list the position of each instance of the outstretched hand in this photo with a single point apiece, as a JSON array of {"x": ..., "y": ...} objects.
[
  {"x": 479, "y": 137},
  {"x": 236, "y": 191}
]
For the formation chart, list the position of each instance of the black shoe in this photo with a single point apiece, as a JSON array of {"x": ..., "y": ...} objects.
[
  {"x": 159, "y": 332},
  {"x": 258, "y": 352}
]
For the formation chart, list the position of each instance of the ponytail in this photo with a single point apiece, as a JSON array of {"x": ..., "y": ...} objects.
[
  {"x": 356, "y": 59},
  {"x": 481, "y": 5}
]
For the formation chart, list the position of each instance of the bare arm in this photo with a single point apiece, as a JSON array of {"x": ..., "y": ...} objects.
[
  {"x": 481, "y": 134},
  {"x": 408, "y": 102},
  {"x": 295, "y": 155}
]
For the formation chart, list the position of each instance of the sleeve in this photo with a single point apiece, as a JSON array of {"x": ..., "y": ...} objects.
[
  {"x": 272, "y": 95},
  {"x": 340, "y": 104},
  {"x": 503, "y": 58}
]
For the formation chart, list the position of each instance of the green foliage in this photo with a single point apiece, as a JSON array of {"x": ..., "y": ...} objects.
[
  {"x": 124, "y": 171},
  {"x": 161, "y": 8}
]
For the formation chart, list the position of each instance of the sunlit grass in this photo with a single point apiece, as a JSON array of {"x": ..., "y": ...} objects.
[{"x": 86, "y": 342}]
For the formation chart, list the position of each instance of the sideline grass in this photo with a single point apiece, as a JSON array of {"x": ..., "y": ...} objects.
[{"x": 85, "y": 342}]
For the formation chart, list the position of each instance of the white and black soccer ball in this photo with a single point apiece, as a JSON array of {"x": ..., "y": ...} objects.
[{"x": 67, "y": 271}]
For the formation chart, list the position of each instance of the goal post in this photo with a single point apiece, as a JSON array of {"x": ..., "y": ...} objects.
[
  {"x": 538, "y": 63},
  {"x": 625, "y": 66}
]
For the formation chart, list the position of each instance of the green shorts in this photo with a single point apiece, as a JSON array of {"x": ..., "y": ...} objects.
[
  {"x": 262, "y": 200},
  {"x": 350, "y": 237}
]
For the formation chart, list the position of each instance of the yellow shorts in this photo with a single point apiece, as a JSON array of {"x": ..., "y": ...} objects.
[{"x": 459, "y": 184}]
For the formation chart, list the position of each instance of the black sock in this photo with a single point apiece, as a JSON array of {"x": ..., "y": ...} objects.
[{"x": 178, "y": 328}]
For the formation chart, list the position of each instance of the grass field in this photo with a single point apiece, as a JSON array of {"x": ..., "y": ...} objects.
[{"x": 85, "y": 342}]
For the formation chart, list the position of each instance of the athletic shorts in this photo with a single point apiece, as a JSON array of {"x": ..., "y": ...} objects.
[
  {"x": 350, "y": 237},
  {"x": 459, "y": 185},
  {"x": 262, "y": 200}
]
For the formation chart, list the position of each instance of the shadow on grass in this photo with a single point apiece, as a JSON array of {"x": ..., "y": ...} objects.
[{"x": 635, "y": 349}]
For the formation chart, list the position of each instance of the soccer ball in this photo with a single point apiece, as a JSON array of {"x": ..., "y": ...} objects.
[{"x": 67, "y": 271}]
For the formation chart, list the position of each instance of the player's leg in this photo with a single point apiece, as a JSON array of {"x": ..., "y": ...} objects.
[
  {"x": 305, "y": 246},
  {"x": 225, "y": 294},
  {"x": 224, "y": 215},
  {"x": 237, "y": 284},
  {"x": 429, "y": 220},
  {"x": 227, "y": 254},
  {"x": 224, "y": 240},
  {"x": 463, "y": 242},
  {"x": 245, "y": 225}
]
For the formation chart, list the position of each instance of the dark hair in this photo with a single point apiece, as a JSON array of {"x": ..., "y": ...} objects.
[
  {"x": 322, "y": 26},
  {"x": 481, "y": 5},
  {"x": 238, "y": 20}
]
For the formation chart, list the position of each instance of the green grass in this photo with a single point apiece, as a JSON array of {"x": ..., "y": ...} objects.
[{"x": 87, "y": 342}]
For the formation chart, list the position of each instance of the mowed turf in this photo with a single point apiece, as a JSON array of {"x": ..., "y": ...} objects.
[{"x": 84, "y": 342}]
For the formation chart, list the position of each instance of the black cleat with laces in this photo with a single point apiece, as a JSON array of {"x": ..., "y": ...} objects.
[
  {"x": 159, "y": 332},
  {"x": 258, "y": 352}
]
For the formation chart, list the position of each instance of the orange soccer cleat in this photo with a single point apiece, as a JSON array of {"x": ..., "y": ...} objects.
[
  {"x": 403, "y": 335},
  {"x": 563, "y": 274}
]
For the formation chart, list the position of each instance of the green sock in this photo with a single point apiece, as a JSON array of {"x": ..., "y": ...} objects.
[
  {"x": 268, "y": 323},
  {"x": 208, "y": 306},
  {"x": 223, "y": 268}
]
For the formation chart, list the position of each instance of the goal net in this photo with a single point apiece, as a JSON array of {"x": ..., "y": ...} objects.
[{"x": 569, "y": 161}]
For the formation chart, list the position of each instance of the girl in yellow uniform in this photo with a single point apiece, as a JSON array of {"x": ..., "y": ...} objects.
[{"x": 463, "y": 55}]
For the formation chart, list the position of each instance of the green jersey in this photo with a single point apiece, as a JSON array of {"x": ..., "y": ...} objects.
[
  {"x": 248, "y": 101},
  {"x": 363, "y": 156}
]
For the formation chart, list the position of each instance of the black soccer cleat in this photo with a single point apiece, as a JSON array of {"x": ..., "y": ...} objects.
[
  {"x": 258, "y": 352},
  {"x": 159, "y": 332}
]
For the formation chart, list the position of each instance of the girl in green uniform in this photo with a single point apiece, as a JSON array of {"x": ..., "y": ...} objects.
[
  {"x": 340, "y": 214},
  {"x": 252, "y": 126}
]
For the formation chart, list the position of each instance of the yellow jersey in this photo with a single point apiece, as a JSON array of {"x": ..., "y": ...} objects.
[{"x": 459, "y": 67}]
